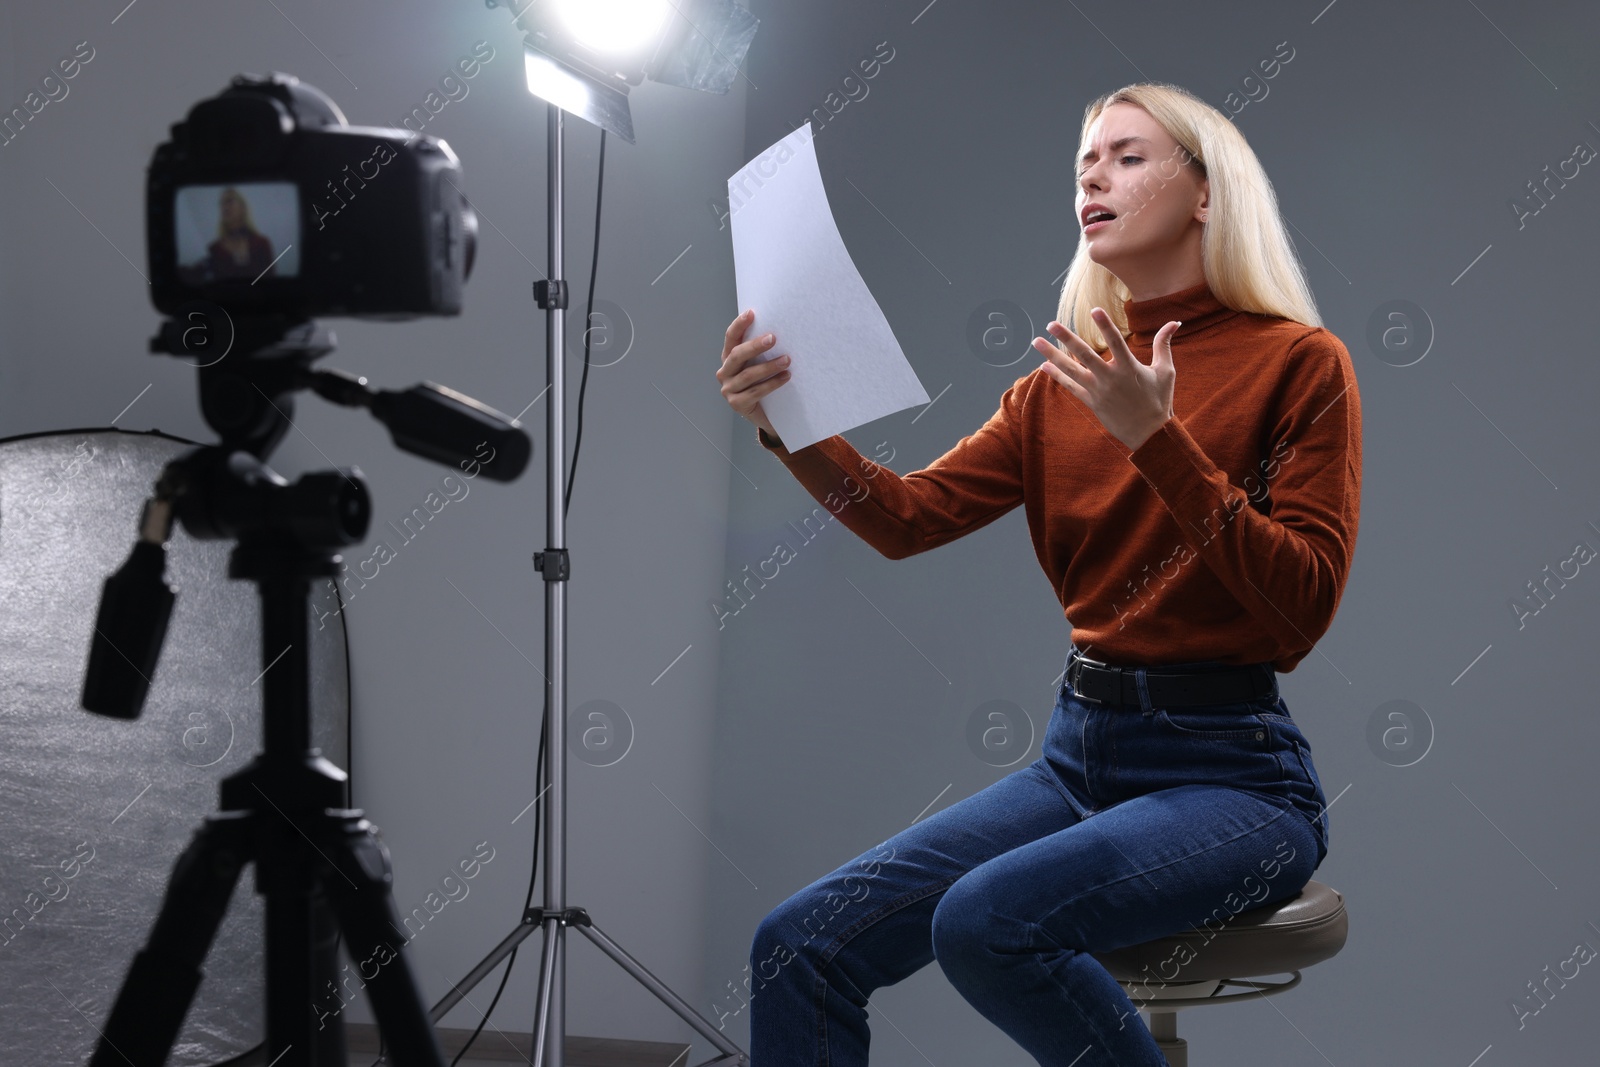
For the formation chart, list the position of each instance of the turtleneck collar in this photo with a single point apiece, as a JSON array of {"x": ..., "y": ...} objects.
[{"x": 1197, "y": 307}]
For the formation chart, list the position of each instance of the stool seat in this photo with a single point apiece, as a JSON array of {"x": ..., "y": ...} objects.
[{"x": 1275, "y": 938}]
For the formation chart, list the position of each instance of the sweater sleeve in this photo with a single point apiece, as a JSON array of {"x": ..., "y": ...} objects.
[
  {"x": 971, "y": 485},
  {"x": 1288, "y": 564}
]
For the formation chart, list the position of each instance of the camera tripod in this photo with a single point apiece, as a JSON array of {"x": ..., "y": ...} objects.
[{"x": 319, "y": 864}]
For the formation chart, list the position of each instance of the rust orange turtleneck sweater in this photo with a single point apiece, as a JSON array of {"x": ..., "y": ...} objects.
[{"x": 1227, "y": 535}]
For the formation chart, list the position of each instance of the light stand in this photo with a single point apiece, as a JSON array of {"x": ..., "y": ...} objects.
[
  {"x": 554, "y": 917},
  {"x": 703, "y": 63}
]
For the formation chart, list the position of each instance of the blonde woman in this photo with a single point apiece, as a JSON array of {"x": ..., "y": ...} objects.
[
  {"x": 1189, "y": 457},
  {"x": 240, "y": 250}
]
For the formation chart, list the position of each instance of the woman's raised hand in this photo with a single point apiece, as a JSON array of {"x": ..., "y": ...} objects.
[{"x": 745, "y": 380}]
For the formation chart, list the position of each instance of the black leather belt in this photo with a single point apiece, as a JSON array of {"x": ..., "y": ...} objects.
[{"x": 1104, "y": 684}]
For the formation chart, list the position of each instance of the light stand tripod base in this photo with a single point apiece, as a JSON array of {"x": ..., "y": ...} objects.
[{"x": 553, "y": 924}]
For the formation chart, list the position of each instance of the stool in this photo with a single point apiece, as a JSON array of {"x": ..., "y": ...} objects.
[{"x": 1188, "y": 968}]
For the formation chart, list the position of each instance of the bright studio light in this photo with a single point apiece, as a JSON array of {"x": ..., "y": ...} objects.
[
  {"x": 583, "y": 55},
  {"x": 613, "y": 27},
  {"x": 557, "y": 84}
]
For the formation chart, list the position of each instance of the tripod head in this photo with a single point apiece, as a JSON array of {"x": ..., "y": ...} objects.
[{"x": 227, "y": 491}]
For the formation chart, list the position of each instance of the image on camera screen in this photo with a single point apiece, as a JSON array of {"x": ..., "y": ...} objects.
[{"x": 247, "y": 231}]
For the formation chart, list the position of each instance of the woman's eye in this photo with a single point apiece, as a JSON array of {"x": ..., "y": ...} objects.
[{"x": 1120, "y": 160}]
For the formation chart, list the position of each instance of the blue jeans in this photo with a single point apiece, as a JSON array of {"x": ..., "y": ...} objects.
[{"x": 1136, "y": 822}]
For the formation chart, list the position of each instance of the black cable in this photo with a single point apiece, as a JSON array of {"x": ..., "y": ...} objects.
[
  {"x": 533, "y": 877},
  {"x": 594, "y": 263},
  {"x": 526, "y": 903},
  {"x": 510, "y": 962},
  {"x": 349, "y": 703}
]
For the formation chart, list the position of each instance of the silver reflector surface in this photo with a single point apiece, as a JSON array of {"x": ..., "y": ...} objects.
[{"x": 94, "y": 811}]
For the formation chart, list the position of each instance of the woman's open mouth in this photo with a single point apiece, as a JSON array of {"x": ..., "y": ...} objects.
[{"x": 1097, "y": 219}]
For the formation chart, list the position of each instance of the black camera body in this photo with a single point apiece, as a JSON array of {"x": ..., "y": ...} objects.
[{"x": 267, "y": 202}]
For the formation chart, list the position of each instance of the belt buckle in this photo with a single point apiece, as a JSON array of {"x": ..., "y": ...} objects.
[{"x": 1099, "y": 665}]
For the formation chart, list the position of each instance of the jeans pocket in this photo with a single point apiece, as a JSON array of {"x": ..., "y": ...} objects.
[
  {"x": 1213, "y": 722},
  {"x": 1295, "y": 739},
  {"x": 1302, "y": 750},
  {"x": 1305, "y": 784}
]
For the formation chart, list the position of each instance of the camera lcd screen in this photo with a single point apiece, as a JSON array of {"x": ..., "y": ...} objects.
[{"x": 244, "y": 232}]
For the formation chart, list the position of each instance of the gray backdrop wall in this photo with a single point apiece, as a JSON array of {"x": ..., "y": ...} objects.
[{"x": 1434, "y": 155}]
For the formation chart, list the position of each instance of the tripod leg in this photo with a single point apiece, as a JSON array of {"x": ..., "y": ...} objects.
[
  {"x": 291, "y": 990},
  {"x": 299, "y": 957},
  {"x": 155, "y": 996},
  {"x": 330, "y": 1043},
  {"x": 371, "y": 924},
  {"x": 547, "y": 984},
  {"x": 665, "y": 994}
]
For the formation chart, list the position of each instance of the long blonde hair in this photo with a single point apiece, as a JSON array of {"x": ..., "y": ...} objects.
[
  {"x": 1245, "y": 253},
  {"x": 244, "y": 210}
]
